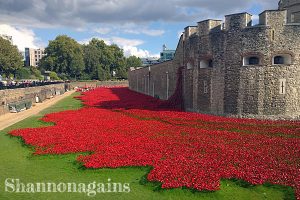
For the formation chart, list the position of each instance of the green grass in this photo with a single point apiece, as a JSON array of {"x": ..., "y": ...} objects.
[{"x": 18, "y": 162}]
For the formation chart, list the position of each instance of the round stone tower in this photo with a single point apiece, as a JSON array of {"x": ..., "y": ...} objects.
[{"x": 293, "y": 10}]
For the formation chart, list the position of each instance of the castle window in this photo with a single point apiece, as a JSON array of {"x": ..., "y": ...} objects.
[
  {"x": 251, "y": 60},
  {"x": 210, "y": 63},
  {"x": 279, "y": 60},
  {"x": 205, "y": 87},
  {"x": 189, "y": 66},
  {"x": 295, "y": 17},
  {"x": 206, "y": 63},
  {"x": 282, "y": 86},
  {"x": 273, "y": 34},
  {"x": 285, "y": 59}
]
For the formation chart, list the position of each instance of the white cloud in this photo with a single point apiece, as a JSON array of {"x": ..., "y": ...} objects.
[
  {"x": 134, "y": 51},
  {"x": 22, "y": 37},
  {"x": 130, "y": 46},
  {"x": 102, "y": 30},
  {"x": 146, "y": 31},
  {"x": 125, "y": 42},
  {"x": 153, "y": 32}
]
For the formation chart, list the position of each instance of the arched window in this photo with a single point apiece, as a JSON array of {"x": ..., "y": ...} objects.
[
  {"x": 206, "y": 63},
  {"x": 251, "y": 60},
  {"x": 285, "y": 59}
]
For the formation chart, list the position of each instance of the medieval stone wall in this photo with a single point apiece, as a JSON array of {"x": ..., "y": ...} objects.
[
  {"x": 157, "y": 80},
  {"x": 15, "y": 95},
  {"x": 234, "y": 68}
]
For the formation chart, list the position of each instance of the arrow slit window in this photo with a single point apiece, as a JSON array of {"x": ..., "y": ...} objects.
[{"x": 282, "y": 86}]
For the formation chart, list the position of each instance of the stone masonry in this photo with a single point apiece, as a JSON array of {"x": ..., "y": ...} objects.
[{"x": 233, "y": 68}]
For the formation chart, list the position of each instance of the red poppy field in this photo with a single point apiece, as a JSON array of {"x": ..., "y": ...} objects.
[{"x": 119, "y": 127}]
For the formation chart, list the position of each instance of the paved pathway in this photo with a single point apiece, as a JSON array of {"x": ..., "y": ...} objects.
[{"x": 9, "y": 119}]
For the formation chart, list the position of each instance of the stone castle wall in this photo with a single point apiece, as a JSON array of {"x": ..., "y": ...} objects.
[
  {"x": 219, "y": 75},
  {"x": 16, "y": 95},
  {"x": 157, "y": 80}
]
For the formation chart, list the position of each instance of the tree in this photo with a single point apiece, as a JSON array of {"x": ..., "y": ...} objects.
[
  {"x": 92, "y": 54},
  {"x": 102, "y": 60},
  {"x": 118, "y": 61},
  {"x": 133, "y": 61},
  {"x": 64, "y": 56},
  {"x": 36, "y": 73},
  {"x": 53, "y": 76},
  {"x": 23, "y": 73},
  {"x": 10, "y": 58}
]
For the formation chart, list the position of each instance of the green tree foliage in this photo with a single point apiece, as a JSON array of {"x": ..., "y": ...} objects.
[
  {"x": 10, "y": 58},
  {"x": 36, "y": 74},
  {"x": 133, "y": 61},
  {"x": 53, "y": 76},
  {"x": 96, "y": 60},
  {"x": 64, "y": 56},
  {"x": 23, "y": 73},
  {"x": 101, "y": 59},
  {"x": 105, "y": 62}
]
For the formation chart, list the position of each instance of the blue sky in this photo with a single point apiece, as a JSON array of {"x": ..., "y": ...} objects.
[{"x": 139, "y": 27}]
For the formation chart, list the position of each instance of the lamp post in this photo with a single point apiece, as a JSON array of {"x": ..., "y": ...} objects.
[
  {"x": 137, "y": 82},
  {"x": 149, "y": 77},
  {"x": 167, "y": 75},
  {"x": 145, "y": 84}
]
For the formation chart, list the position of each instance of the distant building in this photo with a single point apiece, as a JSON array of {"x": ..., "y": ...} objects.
[
  {"x": 150, "y": 61},
  {"x": 166, "y": 54},
  {"x": 7, "y": 37},
  {"x": 33, "y": 56}
]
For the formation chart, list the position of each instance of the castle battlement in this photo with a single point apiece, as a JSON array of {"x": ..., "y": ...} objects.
[
  {"x": 273, "y": 18},
  {"x": 210, "y": 25},
  {"x": 190, "y": 30},
  {"x": 239, "y": 21}
]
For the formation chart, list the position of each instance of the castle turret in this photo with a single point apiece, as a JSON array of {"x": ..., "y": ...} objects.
[
  {"x": 207, "y": 26},
  {"x": 293, "y": 10},
  {"x": 238, "y": 21}
]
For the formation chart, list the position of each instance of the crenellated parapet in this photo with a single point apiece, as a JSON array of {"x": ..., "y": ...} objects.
[
  {"x": 273, "y": 18},
  {"x": 207, "y": 26},
  {"x": 238, "y": 21}
]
